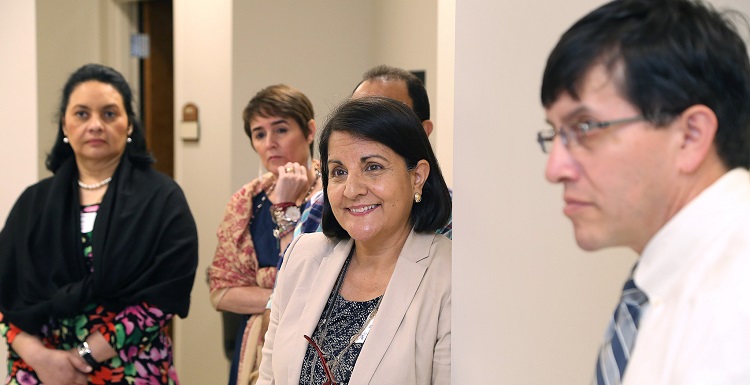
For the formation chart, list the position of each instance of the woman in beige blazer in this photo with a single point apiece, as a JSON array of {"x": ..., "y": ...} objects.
[{"x": 368, "y": 301}]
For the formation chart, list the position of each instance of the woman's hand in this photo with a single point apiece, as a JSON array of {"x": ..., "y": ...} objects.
[
  {"x": 52, "y": 366},
  {"x": 61, "y": 367},
  {"x": 291, "y": 184}
]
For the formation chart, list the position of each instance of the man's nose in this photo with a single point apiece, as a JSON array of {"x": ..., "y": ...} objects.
[{"x": 560, "y": 164}]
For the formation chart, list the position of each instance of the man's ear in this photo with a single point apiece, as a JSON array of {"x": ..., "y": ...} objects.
[
  {"x": 698, "y": 125},
  {"x": 427, "y": 124}
]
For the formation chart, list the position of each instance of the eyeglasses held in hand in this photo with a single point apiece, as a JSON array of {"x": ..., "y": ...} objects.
[
  {"x": 576, "y": 133},
  {"x": 326, "y": 369}
]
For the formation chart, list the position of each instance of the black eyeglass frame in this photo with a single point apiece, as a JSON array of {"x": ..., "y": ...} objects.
[{"x": 577, "y": 132}]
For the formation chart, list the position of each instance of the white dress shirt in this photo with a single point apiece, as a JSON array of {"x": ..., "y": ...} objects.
[{"x": 696, "y": 273}]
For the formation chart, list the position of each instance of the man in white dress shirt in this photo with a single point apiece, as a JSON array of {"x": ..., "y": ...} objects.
[{"x": 649, "y": 104}]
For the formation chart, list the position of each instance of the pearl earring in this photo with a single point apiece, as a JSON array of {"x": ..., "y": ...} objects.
[
  {"x": 65, "y": 139},
  {"x": 130, "y": 140}
]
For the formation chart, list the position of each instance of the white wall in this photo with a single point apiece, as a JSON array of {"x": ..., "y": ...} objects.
[
  {"x": 529, "y": 306},
  {"x": 18, "y": 105}
]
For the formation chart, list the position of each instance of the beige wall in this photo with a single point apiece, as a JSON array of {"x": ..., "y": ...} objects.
[
  {"x": 321, "y": 49},
  {"x": 203, "y": 75},
  {"x": 529, "y": 307},
  {"x": 18, "y": 104},
  {"x": 526, "y": 296},
  {"x": 443, "y": 103},
  {"x": 405, "y": 35},
  {"x": 59, "y": 56},
  {"x": 92, "y": 31}
]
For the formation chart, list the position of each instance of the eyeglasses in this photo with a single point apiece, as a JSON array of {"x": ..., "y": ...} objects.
[
  {"x": 576, "y": 133},
  {"x": 326, "y": 369}
]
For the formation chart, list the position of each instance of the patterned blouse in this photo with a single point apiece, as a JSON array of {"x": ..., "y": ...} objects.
[
  {"x": 138, "y": 333},
  {"x": 341, "y": 340}
]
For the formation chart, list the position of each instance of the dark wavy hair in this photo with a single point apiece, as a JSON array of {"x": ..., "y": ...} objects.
[
  {"x": 136, "y": 151},
  {"x": 393, "y": 124},
  {"x": 664, "y": 56}
]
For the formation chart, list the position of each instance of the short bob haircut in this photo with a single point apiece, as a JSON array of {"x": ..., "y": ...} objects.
[
  {"x": 283, "y": 101},
  {"x": 136, "y": 150},
  {"x": 414, "y": 86},
  {"x": 664, "y": 56},
  {"x": 393, "y": 124}
]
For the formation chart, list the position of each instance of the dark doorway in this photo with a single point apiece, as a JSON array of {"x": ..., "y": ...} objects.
[
  {"x": 157, "y": 85},
  {"x": 157, "y": 77}
]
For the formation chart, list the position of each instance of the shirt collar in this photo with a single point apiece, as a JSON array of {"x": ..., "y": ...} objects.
[{"x": 680, "y": 243}]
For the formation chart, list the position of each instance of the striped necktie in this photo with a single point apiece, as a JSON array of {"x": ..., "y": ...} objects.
[{"x": 620, "y": 338}]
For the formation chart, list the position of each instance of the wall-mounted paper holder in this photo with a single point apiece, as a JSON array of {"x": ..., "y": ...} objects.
[{"x": 189, "y": 127}]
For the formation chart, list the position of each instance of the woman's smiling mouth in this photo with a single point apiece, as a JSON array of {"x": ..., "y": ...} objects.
[{"x": 362, "y": 209}]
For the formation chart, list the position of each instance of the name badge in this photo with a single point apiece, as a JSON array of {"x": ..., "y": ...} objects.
[{"x": 363, "y": 336}]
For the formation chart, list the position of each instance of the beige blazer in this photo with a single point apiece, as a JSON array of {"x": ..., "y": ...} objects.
[{"x": 410, "y": 340}]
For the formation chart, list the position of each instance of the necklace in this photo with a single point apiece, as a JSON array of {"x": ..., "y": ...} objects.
[
  {"x": 359, "y": 336},
  {"x": 94, "y": 186}
]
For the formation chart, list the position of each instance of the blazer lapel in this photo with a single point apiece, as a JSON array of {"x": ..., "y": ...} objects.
[
  {"x": 320, "y": 290},
  {"x": 407, "y": 276}
]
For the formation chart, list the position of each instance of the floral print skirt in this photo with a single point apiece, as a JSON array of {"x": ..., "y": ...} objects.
[{"x": 138, "y": 334}]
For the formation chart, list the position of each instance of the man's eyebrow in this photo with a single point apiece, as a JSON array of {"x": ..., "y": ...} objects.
[{"x": 570, "y": 114}]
